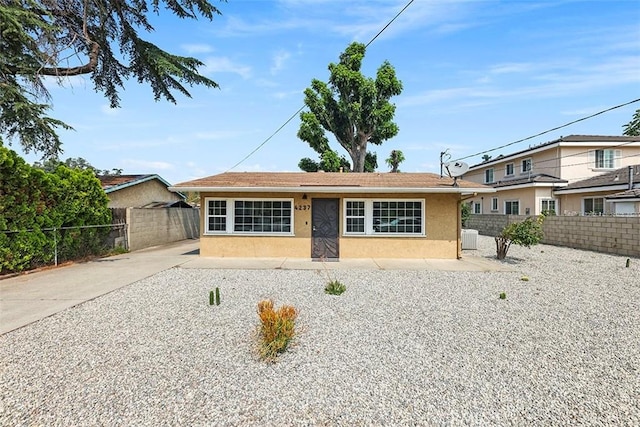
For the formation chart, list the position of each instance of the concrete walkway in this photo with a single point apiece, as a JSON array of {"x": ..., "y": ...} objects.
[{"x": 30, "y": 297}]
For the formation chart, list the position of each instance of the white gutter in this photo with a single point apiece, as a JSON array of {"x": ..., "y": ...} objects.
[{"x": 621, "y": 187}]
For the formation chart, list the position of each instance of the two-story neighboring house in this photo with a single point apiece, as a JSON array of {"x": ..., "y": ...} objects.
[{"x": 526, "y": 181}]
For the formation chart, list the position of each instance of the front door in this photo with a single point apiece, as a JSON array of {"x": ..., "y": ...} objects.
[{"x": 325, "y": 229}]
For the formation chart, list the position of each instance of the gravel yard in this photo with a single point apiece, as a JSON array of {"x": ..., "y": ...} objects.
[{"x": 398, "y": 348}]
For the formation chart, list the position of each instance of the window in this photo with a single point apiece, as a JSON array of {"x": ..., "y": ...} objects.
[
  {"x": 488, "y": 176},
  {"x": 512, "y": 207},
  {"x": 605, "y": 158},
  {"x": 249, "y": 216},
  {"x": 477, "y": 208},
  {"x": 593, "y": 206},
  {"x": 354, "y": 216},
  {"x": 508, "y": 169},
  {"x": 384, "y": 217},
  {"x": 494, "y": 204},
  {"x": 548, "y": 206},
  {"x": 525, "y": 166}
]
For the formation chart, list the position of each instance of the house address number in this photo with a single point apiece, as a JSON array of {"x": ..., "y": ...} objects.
[{"x": 302, "y": 207}]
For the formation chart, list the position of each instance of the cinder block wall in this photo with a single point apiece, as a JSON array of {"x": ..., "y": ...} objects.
[
  {"x": 610, "y": 234},
  {"x": 159, "y": 226}
]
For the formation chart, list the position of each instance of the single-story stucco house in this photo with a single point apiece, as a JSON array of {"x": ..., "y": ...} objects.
[{"x": 329, "y": 216}]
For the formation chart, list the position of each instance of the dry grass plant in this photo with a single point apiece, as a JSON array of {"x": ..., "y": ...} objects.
[{"x": 277, "y": 329}]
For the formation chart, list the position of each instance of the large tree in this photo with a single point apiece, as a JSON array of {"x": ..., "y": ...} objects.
[
  {"x": 633, "y": 127},
  {"x": 355, "y": 108},
  {"x": 42, "y": 39}
]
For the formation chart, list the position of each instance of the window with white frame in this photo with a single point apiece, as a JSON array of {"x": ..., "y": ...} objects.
[
  {"x": 548, "y": 206},
  {"x": 384, "y": 217},
  {"x": 508, "y": 169},
  {"x": 488, "y": 176},
  {"x": 248, "y": 216},
  {"x": 525, "y": 166},
  {"x": 477, "y": 207},
  {"x": 605, "y": 158},
  {"x": 354, "y": 216},
  {"x": 512, "y": 207},
  {"x": 593, "y": 206},
  {"x": 494, "y": 204}
]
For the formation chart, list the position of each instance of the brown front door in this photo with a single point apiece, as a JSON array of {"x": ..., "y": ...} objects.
[{"x": 325, "y": 229}]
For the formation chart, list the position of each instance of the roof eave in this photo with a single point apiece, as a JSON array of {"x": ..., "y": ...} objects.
[{"x": 335, "y": 189}]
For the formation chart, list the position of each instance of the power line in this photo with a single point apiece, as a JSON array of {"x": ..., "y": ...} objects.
[
  {"x": 302, "y": 108},
  {"x": 550, "y": 130}
]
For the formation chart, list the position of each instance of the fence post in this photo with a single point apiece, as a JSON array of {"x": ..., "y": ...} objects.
[{"x": 55, "y": 247}]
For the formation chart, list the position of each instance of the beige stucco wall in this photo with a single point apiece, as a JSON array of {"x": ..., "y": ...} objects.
[
  {"x": 440, "y": 241},
  {"x": 571, "y": 204},
  {"x": 141, "y": 195}
]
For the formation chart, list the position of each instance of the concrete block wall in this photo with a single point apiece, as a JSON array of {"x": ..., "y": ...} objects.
[
  {"x": 159, "y": 226},
  {"x": 618, "y": 235}
]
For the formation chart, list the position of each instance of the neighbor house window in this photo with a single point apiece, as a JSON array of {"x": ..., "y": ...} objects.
[
  {"x": 593, "y": 206},
  {"x": 512, "y": 207},
  {"x": 384, "y": 217},
  {"x": 508, "y": 169},
  {"x": 488, "y": 176},
  {"x": 494, "y": 204},
  {"x": 354, "y": 216},
  {"x": 525, "y": 166},
  {"x": 477, "y": 208},
  {"x": 605, "y": 158},
  {"x": 269, "y": 216},
  {"x": 548, "y": 206}
]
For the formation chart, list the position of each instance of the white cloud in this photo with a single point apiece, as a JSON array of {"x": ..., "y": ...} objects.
[
  {"x": 225, "y": 65},
  {"x": 279, "y": 60},
  {"x": 144, "y": 165},
  {"x": 197, "y": 48},
  {"x": 106, "y": 109}
]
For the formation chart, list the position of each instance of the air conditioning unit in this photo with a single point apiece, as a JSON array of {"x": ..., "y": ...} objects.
[{"x": 469, "y": 239}]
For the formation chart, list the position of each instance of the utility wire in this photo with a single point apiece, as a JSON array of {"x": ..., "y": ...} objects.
[
  {"x": 302, "y": 108},
  {"x": 548, "y": 131}
]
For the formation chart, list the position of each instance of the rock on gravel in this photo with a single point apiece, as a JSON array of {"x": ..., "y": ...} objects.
[{"x": 397, "y": 348}]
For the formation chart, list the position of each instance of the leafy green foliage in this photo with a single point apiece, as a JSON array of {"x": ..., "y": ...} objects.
[
  {"x": 465, "y": 213},
  {"x": 33, "y": 201},
  {"x": 335, "y": 287},
  {"x": 395, "y": 158},
  {"x": 356, "y": 109},
  {"x": 633, "y": 127},
  {"x": 523, "y": 233},
  {"x": 99, "y": 38}
]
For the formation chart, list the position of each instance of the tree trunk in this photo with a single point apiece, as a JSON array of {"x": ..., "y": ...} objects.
[
  {"x": 502, "y": 247},
  {"x": 358, "y": 156}
]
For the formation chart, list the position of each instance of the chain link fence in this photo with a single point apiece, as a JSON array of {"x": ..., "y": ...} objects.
[{"x": 23, "y": 250}]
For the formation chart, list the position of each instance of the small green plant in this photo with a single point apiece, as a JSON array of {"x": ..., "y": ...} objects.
[
  {"x": 211, "y": 298},
  {"x": 628, "y": 263},
  {"x": 217, "y": 296},
  {"x": 277, "y": 329},
  {"x": 524, "y": 278},
  {"x": 334, "y": 287},
  {"x": 524, "y": 233},
  {"x": 214, "y": 297},
  {"x": 503, "y": 295}
]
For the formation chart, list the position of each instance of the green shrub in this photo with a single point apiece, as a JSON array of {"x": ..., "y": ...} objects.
[
  {"x": 334, "y": 287},
  {"x": 524, "y": 233}
]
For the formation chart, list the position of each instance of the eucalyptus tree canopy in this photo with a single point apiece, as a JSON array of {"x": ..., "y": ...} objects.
[
  {"x": 355, "y": 108},
  {"x": 42, "y": 39}
]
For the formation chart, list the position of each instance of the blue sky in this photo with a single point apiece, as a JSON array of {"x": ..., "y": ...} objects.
[{"x": 476, "y": 75}]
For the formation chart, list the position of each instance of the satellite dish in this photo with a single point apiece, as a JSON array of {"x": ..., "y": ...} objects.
[{"x": 455, "y": 170}]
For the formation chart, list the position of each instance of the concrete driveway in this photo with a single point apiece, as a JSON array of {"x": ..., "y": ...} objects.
[{"x": 33, "y": 296}]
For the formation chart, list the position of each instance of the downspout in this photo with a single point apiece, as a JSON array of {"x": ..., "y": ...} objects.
[
  {"x": 630, "y": 177},
  {"x": 459, "y": 228}
]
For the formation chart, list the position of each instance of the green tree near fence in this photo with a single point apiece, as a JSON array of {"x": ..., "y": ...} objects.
[
  {"x": 523, "y": 233},
  {"x": 33, "y": 203}
]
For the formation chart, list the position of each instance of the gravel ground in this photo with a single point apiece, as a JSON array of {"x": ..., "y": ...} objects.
[{"x": 398, "y": 348}]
